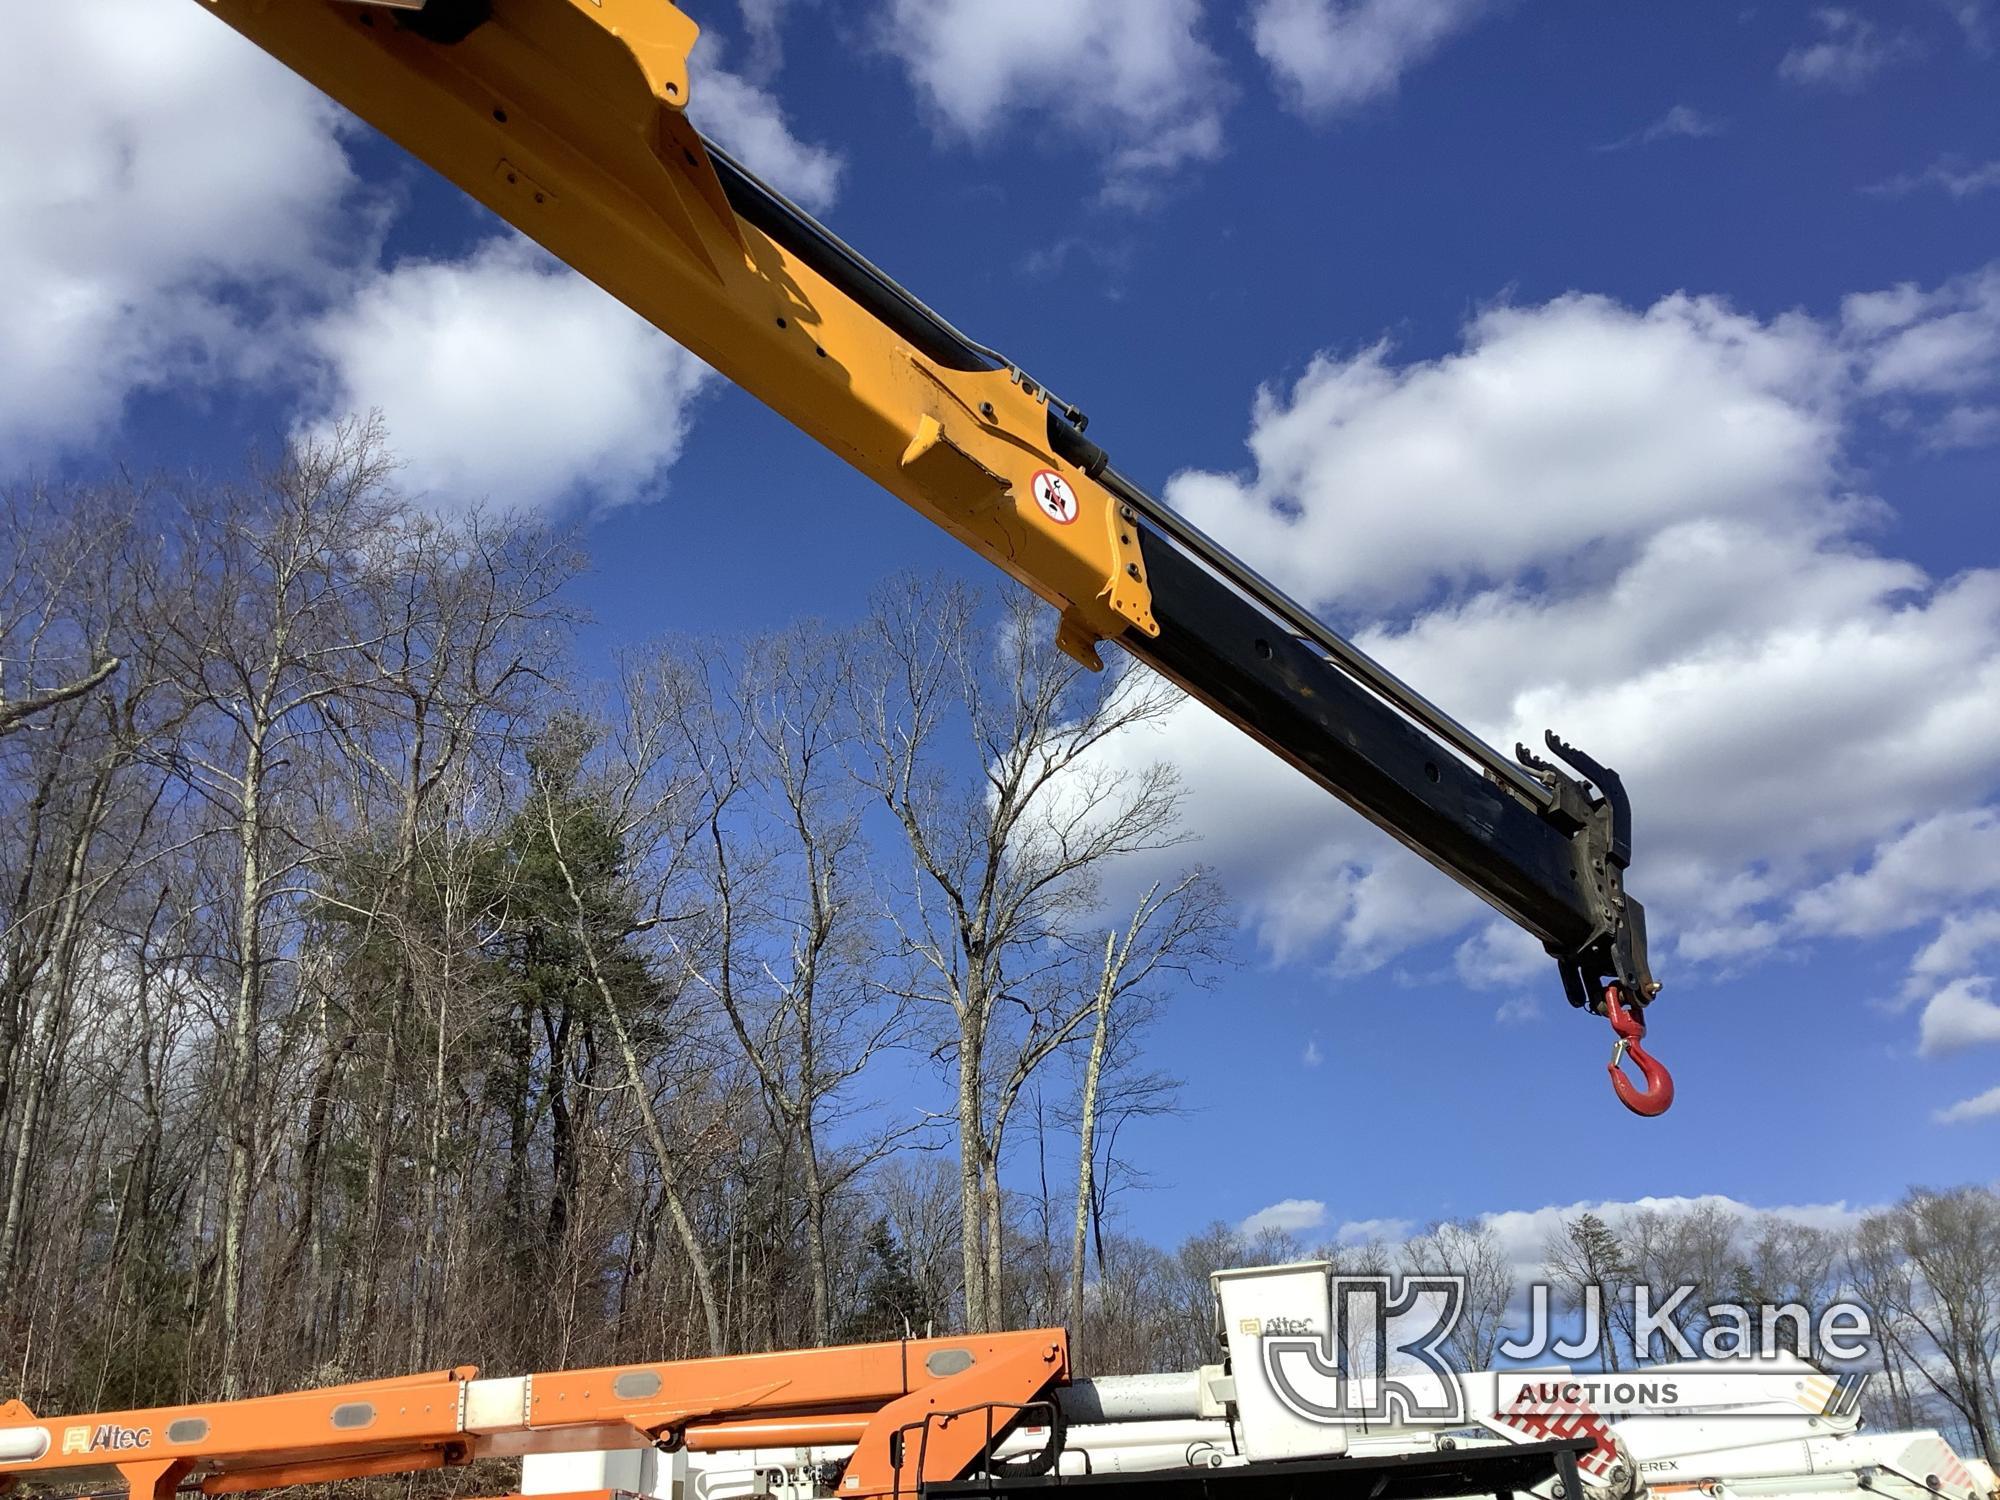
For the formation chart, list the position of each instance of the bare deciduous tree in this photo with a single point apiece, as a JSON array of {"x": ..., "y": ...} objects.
[
  {"x": 1468, "y": 1248},
  {"x": 1003, "y": 861},
  {"x": 50, "y": 652},
  {"x": 1173, "y": 931},
  {"x": 1589, "y": 1265},
  {"x": 1931, "y": 1266}
]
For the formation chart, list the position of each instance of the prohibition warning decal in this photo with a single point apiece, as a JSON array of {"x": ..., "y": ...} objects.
[{"x": 1054, "y": 496}]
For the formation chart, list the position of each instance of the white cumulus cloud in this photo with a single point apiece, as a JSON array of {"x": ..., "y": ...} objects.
[
  {"x": 168, "y": 192},
  {"x": 763, "y": 22},
  {"x": 1959, "y": 1016},
  {"x": 1979, "y": 1107},
  {"x": 1558, "y": 434},
  {"x": 1523, "y": 1233},
  {"x": 1135, "y": 79},
  {"x": 1939, "y": 342},
  {"x": 1372, "y": 1231},
  {"x": 189, "y": 217},
  {"x": 1289, "y": 1215},
  {"x": 1644, "y": 528},
  {"x": 1947, "y": 857},
  {"x": 748, "y": 122},
  {"x": 1499, "y": 954},
  {"x": 1953, "y": 175},
  {"x": 1962, "y": 941},
  {"x": 1847, "y": 51},
  {"x": 1330, "y": 56},
  {"x": 506, "y": 378}
]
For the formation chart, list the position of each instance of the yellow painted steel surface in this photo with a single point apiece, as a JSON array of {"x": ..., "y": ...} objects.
[{"x": 566, "y": 118}]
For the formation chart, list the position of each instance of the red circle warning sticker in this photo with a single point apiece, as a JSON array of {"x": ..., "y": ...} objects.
[{"x": 1055, "y": 497}]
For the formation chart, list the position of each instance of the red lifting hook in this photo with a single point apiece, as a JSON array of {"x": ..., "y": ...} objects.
[{"x": 1630, "y": 1025}]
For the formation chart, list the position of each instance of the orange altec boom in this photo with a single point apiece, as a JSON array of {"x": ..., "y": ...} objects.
[{"x": 915, "y": 1411}]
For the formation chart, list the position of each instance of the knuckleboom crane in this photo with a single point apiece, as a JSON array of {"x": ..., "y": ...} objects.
[{"x": 568, "y": 119}]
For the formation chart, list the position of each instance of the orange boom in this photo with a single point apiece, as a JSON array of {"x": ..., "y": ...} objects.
[{"x": 918, "y": 1411}]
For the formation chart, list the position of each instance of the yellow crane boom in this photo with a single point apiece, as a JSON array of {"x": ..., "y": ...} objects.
[{"x": 568, "y": 119}]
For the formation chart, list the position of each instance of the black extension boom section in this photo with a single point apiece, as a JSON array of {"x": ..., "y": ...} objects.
[
  {"x": 1541, "y": 866},
  {"x": 1227, "y": 652}
]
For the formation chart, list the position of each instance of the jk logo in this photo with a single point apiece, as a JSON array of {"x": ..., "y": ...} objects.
[{"x": 1379, "y": 1359}]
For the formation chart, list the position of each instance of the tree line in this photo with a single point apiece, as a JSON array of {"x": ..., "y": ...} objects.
[
  {"x": 376, "y": 991},
  {"x": 379, "y": 991}
]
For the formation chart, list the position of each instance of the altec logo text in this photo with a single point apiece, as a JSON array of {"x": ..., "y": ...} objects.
[{"x": 108, "y": 1438}]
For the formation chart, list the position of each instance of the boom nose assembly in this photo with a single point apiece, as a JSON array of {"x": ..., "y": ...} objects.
[{"x": 1615, "y": 955}]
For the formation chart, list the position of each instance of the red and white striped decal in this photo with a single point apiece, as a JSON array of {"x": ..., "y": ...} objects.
[
  {"x": 1565, "y": 1419},
  {"x": 1936, "y": 1457}
]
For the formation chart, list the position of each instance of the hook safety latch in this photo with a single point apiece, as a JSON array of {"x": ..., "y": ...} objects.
[{"x": 1630, "y": 1025}]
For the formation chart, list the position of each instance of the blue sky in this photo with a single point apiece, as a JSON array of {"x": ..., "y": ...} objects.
[{"x": 1628, "y": 369}]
